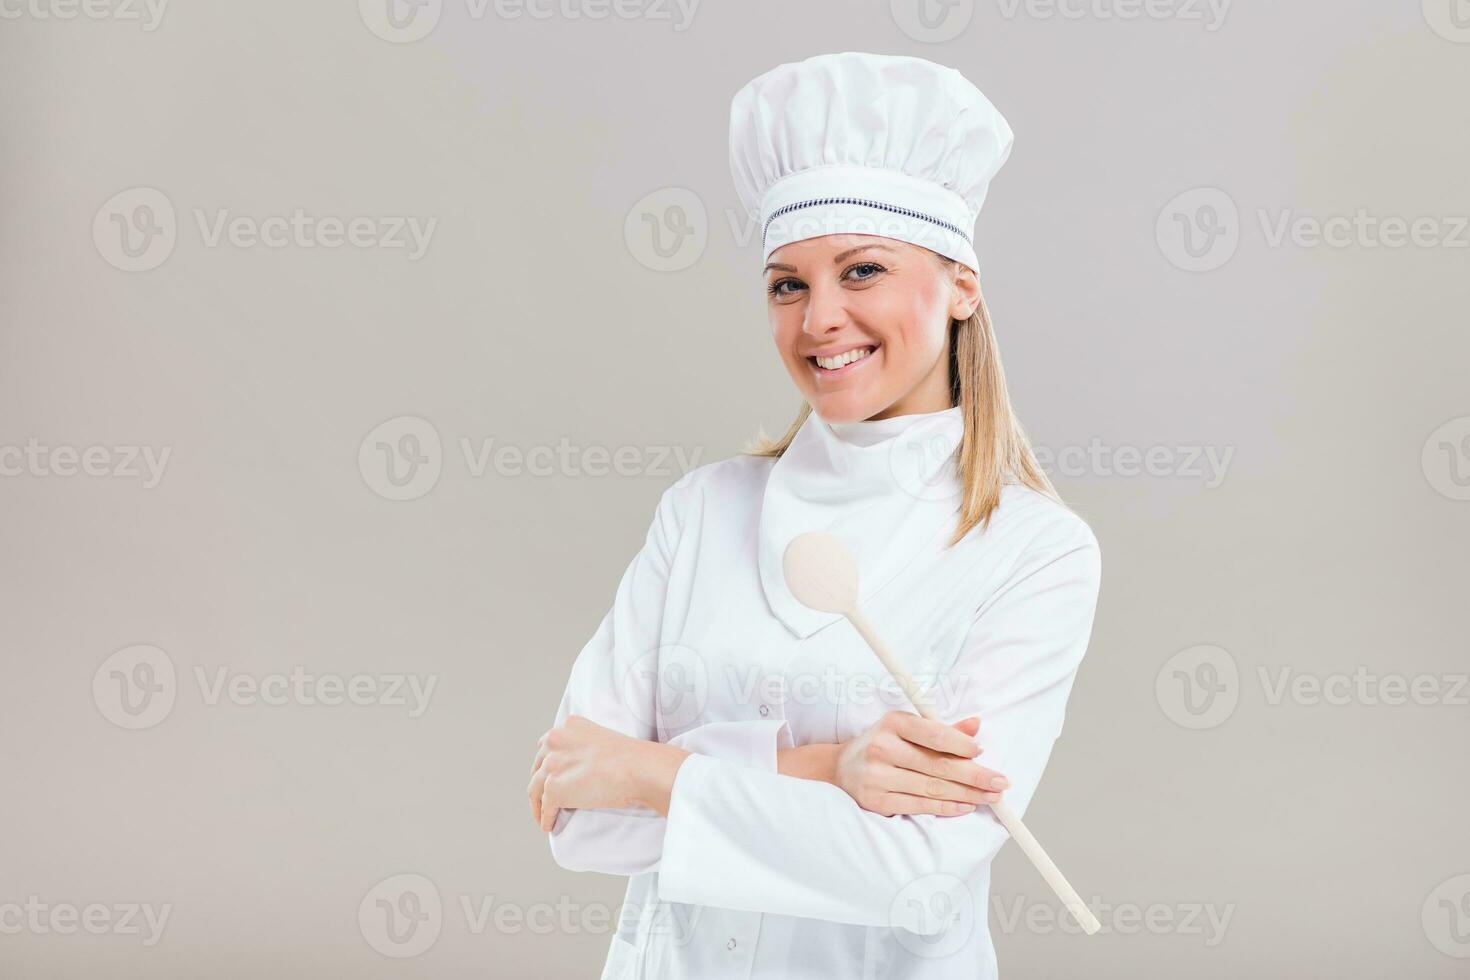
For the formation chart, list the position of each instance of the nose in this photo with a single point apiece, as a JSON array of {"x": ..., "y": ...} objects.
[{"x": 826, "y": 310}]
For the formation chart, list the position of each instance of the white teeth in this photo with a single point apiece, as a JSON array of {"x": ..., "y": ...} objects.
[{"x": 847, "y": 357}]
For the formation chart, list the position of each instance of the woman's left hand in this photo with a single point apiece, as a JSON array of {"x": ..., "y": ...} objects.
[{"x": 581, "y": 764}]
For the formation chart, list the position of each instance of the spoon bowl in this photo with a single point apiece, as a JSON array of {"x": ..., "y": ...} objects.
[{"x": 821, "y": 572}]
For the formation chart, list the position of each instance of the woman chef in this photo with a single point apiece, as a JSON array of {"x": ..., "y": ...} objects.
[{"x": 779, "y": 808}]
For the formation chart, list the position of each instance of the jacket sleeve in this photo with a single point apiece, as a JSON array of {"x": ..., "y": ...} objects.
[
  {"x": 759, "y": 841},
  {"x": 614, "y": 682}
]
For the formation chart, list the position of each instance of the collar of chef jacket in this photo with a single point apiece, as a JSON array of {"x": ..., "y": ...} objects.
[{"x": 888, "y": 488}]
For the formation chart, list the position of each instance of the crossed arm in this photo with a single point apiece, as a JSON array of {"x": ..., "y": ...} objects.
[
  {"x": 734, "y": 815},
  {"x": 903, "y": 764}
]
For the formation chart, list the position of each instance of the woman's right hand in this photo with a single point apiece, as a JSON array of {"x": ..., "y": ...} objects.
[{"x": 907, "y": 764}]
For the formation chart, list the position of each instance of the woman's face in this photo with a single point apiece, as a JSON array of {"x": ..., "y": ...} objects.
[{"x": 882, "y": 307}]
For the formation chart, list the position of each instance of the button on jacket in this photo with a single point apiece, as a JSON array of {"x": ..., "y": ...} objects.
[{"x": 754, "y": 874}]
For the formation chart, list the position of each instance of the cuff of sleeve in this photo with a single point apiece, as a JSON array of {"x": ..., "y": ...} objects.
[
  {"x": 677, "y": 874},
  {"x": 752, "y": 744}
]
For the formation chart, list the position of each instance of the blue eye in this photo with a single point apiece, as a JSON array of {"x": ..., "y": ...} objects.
[{"x": 859, "y": 272}]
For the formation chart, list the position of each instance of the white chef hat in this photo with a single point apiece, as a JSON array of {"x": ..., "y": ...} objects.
[{"x": 871, "y": 144}]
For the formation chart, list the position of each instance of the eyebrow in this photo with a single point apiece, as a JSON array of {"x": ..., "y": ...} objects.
[{"x": 835, "y": 259}]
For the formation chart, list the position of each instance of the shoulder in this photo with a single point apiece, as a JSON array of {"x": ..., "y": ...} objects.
[
  {"x": 728, "y": 488},
  {"x": 1032, "y": 531},
  {"x": 1045, "y": 520},
  {"x": 741, "y": 477}
]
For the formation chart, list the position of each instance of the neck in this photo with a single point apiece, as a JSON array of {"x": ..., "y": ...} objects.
[{"x": 914, "y": 404}]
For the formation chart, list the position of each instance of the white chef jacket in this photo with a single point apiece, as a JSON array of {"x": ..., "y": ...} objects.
[{"x": 756, "y": 875}]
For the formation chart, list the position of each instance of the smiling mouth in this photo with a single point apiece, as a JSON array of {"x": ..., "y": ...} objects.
[{"x": 842, "y": 364}]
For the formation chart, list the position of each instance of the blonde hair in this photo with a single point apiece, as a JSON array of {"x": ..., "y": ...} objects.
[{"x": 994, "y": 450}]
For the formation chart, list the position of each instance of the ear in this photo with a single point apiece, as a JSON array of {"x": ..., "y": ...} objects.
[{"x": 965, "y": 292}]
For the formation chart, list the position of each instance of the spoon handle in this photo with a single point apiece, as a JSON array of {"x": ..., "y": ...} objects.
[{"x": 1030, "y": 846}]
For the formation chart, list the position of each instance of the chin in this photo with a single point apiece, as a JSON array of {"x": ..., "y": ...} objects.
[
  {"x": 844, "y": 406},
  {"x": 858, "y": 391}
]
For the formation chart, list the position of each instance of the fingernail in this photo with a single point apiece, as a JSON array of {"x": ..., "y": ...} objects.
[{"x": 999, "y": 782}]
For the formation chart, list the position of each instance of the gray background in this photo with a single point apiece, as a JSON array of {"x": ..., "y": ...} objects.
[{"x": 541, "y": 315}]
